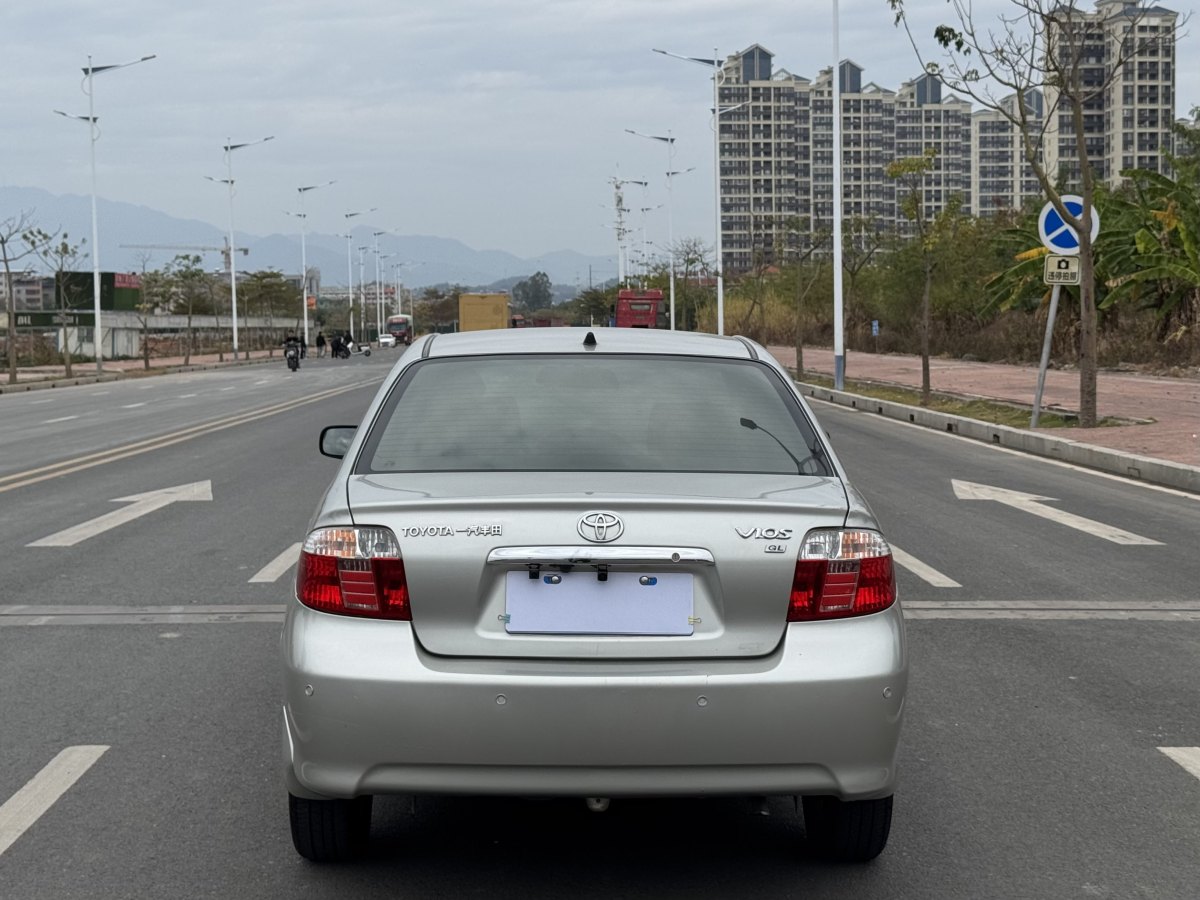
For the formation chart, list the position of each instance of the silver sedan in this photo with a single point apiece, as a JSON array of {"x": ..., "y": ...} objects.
[{"x": 598, "y": 563}]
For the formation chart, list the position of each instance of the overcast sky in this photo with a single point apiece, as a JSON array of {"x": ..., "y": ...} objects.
[{"x": 496, "y": 122}]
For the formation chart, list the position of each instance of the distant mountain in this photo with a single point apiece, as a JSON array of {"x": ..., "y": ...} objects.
[{"x": 435, "y": 260}]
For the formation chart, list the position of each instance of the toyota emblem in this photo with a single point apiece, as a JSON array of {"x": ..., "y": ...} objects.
[{"x": 600, "y": 527}]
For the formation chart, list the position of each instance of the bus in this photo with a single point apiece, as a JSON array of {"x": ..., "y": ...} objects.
[
  {"x": 638, "y": 309},
  {"x": 400, "y": 327}
]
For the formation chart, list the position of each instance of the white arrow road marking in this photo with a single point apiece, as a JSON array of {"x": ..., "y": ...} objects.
[
  {"x": 140, "y": 505},
  {"x": 28, "y": 804},
  {"x": 1032, "y": 503},
  {"x": 925, "y": 572},
  {"x": 1188, "y": 757},
  {"x": 274, "y": 570}
]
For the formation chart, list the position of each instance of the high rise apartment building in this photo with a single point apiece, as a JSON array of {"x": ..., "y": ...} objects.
[
  {"x": 776, "y": 138},
  {"x": 1128, "y": 123}
]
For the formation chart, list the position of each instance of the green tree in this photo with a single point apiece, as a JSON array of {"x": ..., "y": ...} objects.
[
  {"x": 931, "y": 234},
  {"x": 190, "y": 291},
  {"x": 1044, "y": 44},
  {"x": 534, "y": 293}
]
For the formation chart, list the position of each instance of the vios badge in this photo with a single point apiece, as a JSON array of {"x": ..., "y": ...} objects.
[{"x": 600, "y": 527}]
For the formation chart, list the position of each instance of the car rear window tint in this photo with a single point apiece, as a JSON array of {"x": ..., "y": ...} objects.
[{"x": 591, "y": 413}]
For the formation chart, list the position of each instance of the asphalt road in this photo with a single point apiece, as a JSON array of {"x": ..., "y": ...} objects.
[{"x": 1052, "y": 658}]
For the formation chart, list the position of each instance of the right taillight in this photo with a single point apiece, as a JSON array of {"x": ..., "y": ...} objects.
[
  {"x": 353, "y": 571},
  {"x": 842, "y": 572}
]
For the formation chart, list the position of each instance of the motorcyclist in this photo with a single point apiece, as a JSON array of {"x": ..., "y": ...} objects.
[{"x": 291, "y": 344}]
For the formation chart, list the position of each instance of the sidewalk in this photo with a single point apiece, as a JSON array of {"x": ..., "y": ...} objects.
[{"x": 1173, "y": 404}]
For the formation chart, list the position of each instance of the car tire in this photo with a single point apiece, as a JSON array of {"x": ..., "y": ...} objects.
[
  {"x": 329, "y": 830},
  {"x": 847, "y": 830}
]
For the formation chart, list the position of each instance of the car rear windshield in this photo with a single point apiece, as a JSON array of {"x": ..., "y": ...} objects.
[{"x": 592, "y": 413}]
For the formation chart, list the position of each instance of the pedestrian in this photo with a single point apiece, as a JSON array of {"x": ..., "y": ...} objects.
[{"x": 320, "y": 344}]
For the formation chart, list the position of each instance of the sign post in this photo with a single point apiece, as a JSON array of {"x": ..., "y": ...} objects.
[{"x": 1062, "y": 267}]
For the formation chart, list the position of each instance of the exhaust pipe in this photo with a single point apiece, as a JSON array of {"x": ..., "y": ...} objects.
[{"x": 598, "y": 804}]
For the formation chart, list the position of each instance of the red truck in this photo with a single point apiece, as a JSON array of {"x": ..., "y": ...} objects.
[{"x": 638, "y": 309}]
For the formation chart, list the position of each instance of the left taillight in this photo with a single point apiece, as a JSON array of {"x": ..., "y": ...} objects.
[
  {"x": 353, "y": 571},
  {"x": 842, "y": 572}
]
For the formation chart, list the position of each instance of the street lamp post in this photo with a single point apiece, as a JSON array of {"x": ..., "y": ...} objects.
[
  {"x": 230, "y": 146},
  {"x": 378, "y": 288},
  {"x": 715, "y": 65},
  {"x": 349, "y": 236},
  {"x": 89, "y": 73},
  {"x": 362, "y": 293},
  {"x": 839, "y": 351},
  {"x": 670, "y": 142},
  {"x": 303, "y": 217}
]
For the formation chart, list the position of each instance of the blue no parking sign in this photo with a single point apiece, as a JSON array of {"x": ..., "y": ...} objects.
[{"x": 1057, "y": 235}]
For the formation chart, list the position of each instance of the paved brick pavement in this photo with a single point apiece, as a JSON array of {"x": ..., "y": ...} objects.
[{"x": 1173, "y": 404}]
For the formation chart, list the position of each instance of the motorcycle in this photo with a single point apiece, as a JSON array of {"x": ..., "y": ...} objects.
[
  {"x": 345, "y": 351},
  {"x": 292, "y": 354}
]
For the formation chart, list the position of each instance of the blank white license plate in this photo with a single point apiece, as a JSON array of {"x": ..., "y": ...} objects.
[{"x": 580, "y": 603}]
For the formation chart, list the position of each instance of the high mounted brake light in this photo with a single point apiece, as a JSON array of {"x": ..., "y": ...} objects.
[
  {"x": 353, "y": 571},
  {"x": 842, "y": 572}
]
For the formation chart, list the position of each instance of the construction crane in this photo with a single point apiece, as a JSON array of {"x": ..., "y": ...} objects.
[{"x": 223, "y": 250}]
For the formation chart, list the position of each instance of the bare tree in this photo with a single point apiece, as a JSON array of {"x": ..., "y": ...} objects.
[
  {"x": 1046, "y": 44},
  {"x": 14, "y": 246},
  {"x": 61, "y": 257}
]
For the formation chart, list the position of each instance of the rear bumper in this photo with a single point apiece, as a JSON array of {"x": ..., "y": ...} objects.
[{"x": 367, "y": 711}]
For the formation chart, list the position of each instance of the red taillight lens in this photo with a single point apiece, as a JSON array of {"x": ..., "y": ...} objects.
[
  {"x": 353, "y": 572},
  {"x": 842, "y": 573}
]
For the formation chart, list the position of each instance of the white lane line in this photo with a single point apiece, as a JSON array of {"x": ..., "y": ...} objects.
[
  {"x": 27, "y": 805},
  {"x": 132, "y": 405},
  {"x": 264, "y": 381},
  {"x": 1032, "y": 503},
  {"x": 1188, "y": 757},
  {"x": 1045, "y": 460},
  {"x": 60, "y": 419},
  {"x": 228, "y": 389},
  {"x": 926, "y": 573},
  {"x": 185, "y": 396},
  {"x": 39, "y": 402},
  {"x": 274, "y": 570}
]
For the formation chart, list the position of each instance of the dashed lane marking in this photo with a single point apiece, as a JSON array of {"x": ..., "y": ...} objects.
[
  {"x": 132, "y": 405},
  {"x": 1188, "y": 757},
  {"x": 27, "y": 805},
  {"x": 926, "y": 573},
  {"x": 274, "y": 570},
  {"x": 101, "y": 457},
  {"x": 60, "y": 419}
]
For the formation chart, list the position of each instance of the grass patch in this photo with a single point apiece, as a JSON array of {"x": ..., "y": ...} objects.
[{"x": 995, "y": 412}]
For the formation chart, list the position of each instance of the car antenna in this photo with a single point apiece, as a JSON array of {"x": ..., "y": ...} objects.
[{"x": 589, "y": 340}]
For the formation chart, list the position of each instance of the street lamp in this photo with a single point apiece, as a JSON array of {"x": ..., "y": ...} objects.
[
  {"x": 378, "y": 288},
  {"x": 230, "y": 146},
  {"x": 89, "y": 72},
  {"x": 670, "y": 142},
  {"x": 362, "y": 293},
  {"x": 715, "y": 65},
  {"x": 839, "y": 352},
  {"x": 303, "y": 217},
  {"x": 349, "y": 236}
]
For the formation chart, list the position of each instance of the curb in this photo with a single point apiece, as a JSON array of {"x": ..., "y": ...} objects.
[
  {"x": 121, "y": 374},
  {"x": 1103, "y": 459}
]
